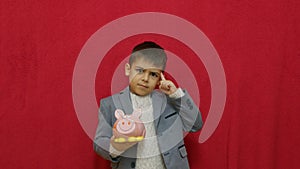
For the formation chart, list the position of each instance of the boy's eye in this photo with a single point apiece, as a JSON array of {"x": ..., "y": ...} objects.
[
  {"x": 153, "y": 74},
  {"x": 139, "y": 70}
]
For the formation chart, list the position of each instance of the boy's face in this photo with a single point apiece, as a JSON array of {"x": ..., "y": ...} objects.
[{"x": 143, "y": 76}]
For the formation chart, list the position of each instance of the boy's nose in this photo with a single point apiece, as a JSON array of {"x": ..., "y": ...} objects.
[{"x": 146, "y": 76}]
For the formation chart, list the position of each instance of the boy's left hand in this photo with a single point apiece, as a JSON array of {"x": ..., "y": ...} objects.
[{"x": 167, "y": 86}]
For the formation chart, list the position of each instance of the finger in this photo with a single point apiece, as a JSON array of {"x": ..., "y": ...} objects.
[
  {"x": 115, "y": 133},
  {"x": 162, "y": 76},
  {"x": 164, "y": 85}
]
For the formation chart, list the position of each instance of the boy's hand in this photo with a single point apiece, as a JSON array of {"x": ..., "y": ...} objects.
[
  {"x": 120, "y": 146},
  {"x": 167, "y": 86}
]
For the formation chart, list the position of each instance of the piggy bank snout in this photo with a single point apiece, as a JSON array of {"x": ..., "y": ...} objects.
[{"x": 126, "y": 126}]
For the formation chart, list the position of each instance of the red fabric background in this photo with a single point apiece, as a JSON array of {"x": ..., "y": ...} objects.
[{"x": 258, "y": 45}]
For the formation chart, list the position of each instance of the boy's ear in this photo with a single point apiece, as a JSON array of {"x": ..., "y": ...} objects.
[{"x": 127, "y": 69}]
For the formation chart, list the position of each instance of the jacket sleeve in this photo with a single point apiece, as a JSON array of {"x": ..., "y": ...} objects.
[
  {"x": 104, "y": 131},
  {"x": 188, "y": 111}
]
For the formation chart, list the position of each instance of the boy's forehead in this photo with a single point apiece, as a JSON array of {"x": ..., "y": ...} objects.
[
  {"x": 150, "y": 68},
  {"x": 141, "y": 63}
]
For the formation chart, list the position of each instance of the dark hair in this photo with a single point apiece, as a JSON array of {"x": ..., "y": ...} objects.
[{"x": 149, "y": 51}]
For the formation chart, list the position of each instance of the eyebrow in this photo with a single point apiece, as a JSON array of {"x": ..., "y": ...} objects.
[{"x": 154, "y": 69}]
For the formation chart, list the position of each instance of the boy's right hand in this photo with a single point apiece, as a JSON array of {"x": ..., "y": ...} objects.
[
  {"x": 167, "y": 86},
  {"x": 120, "y": 146}
]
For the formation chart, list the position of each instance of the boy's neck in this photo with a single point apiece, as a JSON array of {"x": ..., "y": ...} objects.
[{"x": 148, "y": 95}]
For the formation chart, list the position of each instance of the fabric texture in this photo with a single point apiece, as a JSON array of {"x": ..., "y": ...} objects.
[{"x": 148, "y": 153}]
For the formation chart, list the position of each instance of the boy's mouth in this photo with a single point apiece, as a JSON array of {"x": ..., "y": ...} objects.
[{"x": 141, "y": 85}]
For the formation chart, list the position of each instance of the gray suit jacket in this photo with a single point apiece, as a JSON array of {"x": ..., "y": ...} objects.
[{"x": 171, "y": 118}]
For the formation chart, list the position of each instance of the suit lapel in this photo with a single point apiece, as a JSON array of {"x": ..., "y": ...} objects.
[
  {"x": 123, "y": 101},
  {"x": 159, "y": 104}
]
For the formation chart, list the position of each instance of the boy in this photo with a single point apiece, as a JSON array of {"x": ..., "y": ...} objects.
[{"x": 166, "y": 113}]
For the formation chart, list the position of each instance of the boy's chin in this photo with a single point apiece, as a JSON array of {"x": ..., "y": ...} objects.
[{"x": 140, "y": 92}]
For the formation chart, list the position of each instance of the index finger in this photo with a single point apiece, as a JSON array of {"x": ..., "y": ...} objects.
[{"x": 162, "y": 76}]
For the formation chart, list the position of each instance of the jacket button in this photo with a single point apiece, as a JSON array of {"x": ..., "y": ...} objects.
[{"x": 132, "y": 164}]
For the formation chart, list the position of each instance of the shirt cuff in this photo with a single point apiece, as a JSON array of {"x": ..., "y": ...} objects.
[
  {"x": 178, "y": 94},
  {"x": 113, "y": 152}
]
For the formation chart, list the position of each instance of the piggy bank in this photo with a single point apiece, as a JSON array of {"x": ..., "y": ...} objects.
[{"x": 130, "y": 126}]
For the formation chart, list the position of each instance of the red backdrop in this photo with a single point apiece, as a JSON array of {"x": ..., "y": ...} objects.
[{"x": 258, "y": 45}]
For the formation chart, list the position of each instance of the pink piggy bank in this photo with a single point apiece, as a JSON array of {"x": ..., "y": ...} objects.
[{"x": 130, "y": 126}]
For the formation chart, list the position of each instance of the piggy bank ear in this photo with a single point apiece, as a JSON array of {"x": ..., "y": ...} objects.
[
  {"x": 119, "y": 114},
  {"x": 137, "y": 112}
]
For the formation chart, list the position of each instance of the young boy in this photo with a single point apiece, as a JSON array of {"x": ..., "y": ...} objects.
[{"x": 166, "y": 113}]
